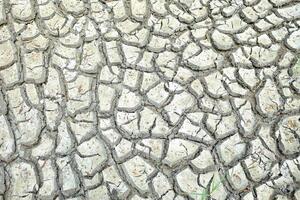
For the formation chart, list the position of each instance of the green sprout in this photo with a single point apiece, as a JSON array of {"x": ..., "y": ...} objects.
[{"x": 211, "y": 187}]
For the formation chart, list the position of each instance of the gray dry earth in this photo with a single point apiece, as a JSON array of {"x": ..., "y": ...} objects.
[{"x": 149, "y": 99}]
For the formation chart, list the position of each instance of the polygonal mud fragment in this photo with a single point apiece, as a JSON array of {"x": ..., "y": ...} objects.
[
  {"x": 138, "y": 172},
  {"x": 71, "y": 40},
  {"x": 190, "y": 50},
  {"x": 127, "y": 26},
  {"x": 73, "y": 6},
  {"x": 293, "y": 40},
  {"x": 24, "y": 179},
  {"x": 112, "y": 177},
  {"x": 149, "y": 81},
  {"x": 161, "y": 184},
  {"x": 92, "y": 181},
  {"x": 48, "y": 187},
  {"x": 128, "y": 100},
  {"x": 128, "y": 122},
  {"x": 188, "y": 128},
  {"x": 32, "y": 95},
  {"x": 157, "y": 44},
  {"x": 113, "y": 52},
  {"x": 250, "y": 14},
  {"x": 221, "y": 126},
  {"x": 28, "y": 119},
  {"x": 289, "y": 11},
  {"x": 152, "y": 122},
  {"x": 239, "y": 58},
  {"x": 138, "y": 37},
  {"x": 179, "y": 150},
  {"x": 81, "y": 130},
  {"x": 264, "y": 56},
  {"x": 146, "y": 60},
  {"x": 158, "y": 95},
  {"x": 131, "y": 78},
  {"x": 167, "y": 25},
  {"x": 158, "y": 6},
  {"x": 259, "y": 163},
  {"x": 138, "y": 8},
  {"x": 123, "y": 148},
  {"x": 188, "y": 181},
  {"x": 232, "y": 149},
  {"x": 7, "y": 146},
  {"x": 106, "y": 96},
  {"x": 221, "y": 40},
  {"x": 7, "y": 54},
  {"x": 22, "y": 9},
  {"x": 45, "y": 146},
  {"x": 58, "y": 24},
  {"x": 152, "y": 147},
  {"x": 269, "y": 100},
  {"x": 111, "y": 135},
  {"x": 215, "y": 85},
  {"x": 67, "y": 177},
  {"x": 288, "y": 135},
  {"x": 247, "y": 117},
  {"x": 248, "y": 76},
  {"x": 10, "y": 75},
  {"x": 179, "y": 104},
  {"x": 149, "y": 99},
  {"x": 34, "y": 67},
  {"x": 91, "y": 58},
  {"x": 131, "y": 53},
  {"x": 79, "y": 96},
  {"x": 232, "y": 25},
  {"x": 204, "y": 160},
  {"x": 64, "y": 139},
  {"x": 293, "y": 168},
  {"x": 52, "y": 113},
  {"x": 167, "y": 59},
  {"x": 100, "y": 191},
  {"x": 92, "y": 154},
  {"x": 205, "y": 60},
  {"x": 264, "y": 191},
  {"x": 109, "y": 74},
  {"x": 238, "y": 178}
]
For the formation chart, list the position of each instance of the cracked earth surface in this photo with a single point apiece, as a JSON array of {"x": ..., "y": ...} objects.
[{"x": 149, "y": 99}]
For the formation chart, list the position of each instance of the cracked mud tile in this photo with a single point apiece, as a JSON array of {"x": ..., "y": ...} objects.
[{"x": 149, "y": 99}]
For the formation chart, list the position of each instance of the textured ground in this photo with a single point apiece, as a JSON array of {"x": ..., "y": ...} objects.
[{"x": 149, "y": 99}]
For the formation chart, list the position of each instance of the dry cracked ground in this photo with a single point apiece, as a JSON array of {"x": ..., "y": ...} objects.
[{"x": 149, "y": 99}]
